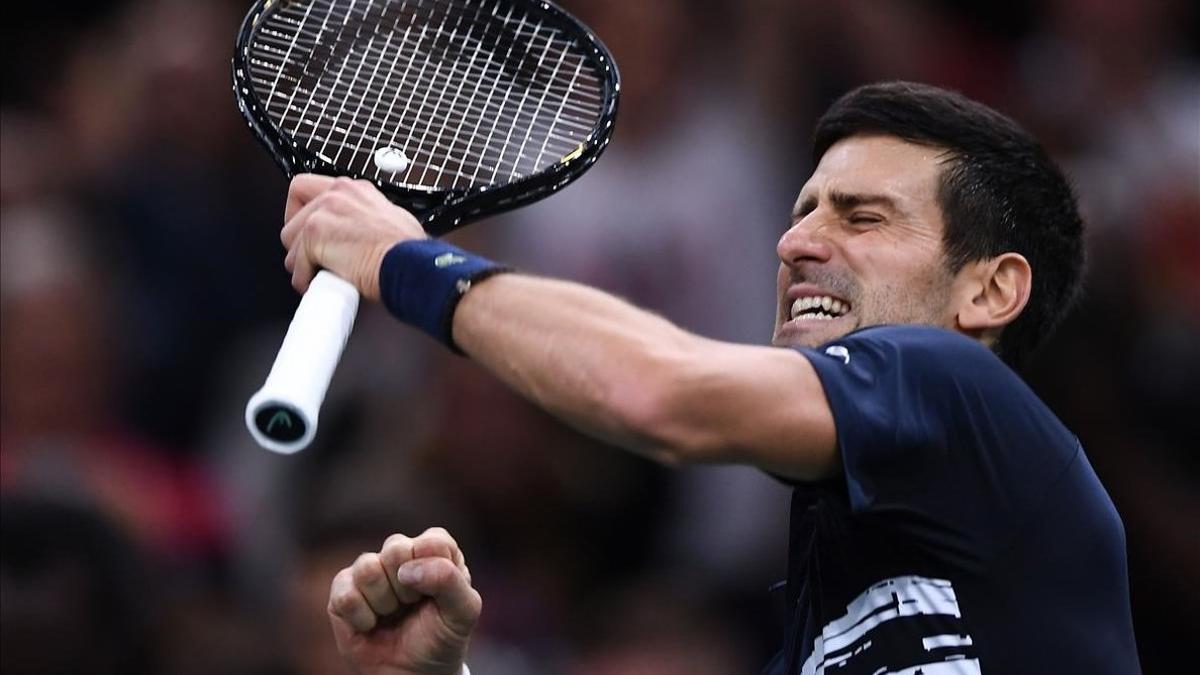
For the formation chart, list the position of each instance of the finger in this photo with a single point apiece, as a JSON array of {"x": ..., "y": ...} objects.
[
  {"x": 397, "y": 550},
  {"x": 371, "y": 192},
  {"x": 303, "y": 269},
  {"x": 437, "y": 542},
  {"x": 303, "y": 189},
  {"x": 440, "y": 579},
  {"x": 293, "y": 227},
  {"x": 372, "y": 582},
  {"x": 348, "y": 604}
]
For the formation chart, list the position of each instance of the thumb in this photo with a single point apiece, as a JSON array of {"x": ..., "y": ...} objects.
[{"x": 445, "y": 583}]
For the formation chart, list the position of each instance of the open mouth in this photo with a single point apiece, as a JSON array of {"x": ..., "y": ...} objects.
[{"x": 819, "y": 308}]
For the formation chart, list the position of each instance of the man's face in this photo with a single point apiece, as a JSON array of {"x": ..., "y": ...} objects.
[{"x": 865, "y": 245}]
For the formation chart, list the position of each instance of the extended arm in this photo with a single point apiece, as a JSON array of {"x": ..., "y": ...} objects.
[
  {"x": 639, "y": 381},
  {"x": 601, "y": 364}
]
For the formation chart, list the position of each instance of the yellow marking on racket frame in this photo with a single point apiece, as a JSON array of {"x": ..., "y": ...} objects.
[{"x": 574, "y": 154}]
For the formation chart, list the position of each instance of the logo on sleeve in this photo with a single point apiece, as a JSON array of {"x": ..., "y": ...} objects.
[
  {"x": 839, "y": 352},
  {"x": 447, "y": 259}
]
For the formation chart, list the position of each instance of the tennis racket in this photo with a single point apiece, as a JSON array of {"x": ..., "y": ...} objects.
[{"x": 454, "y": 109}]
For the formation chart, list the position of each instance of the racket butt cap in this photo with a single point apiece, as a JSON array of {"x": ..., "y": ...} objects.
[
  {"x": 282, "y": 415},
  {"x": 279, "y": 426}
]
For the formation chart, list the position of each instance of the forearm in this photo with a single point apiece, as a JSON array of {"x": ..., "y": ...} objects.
[
  {"x": 584, "y": 355},
  {"x": 636, "y": 380}
]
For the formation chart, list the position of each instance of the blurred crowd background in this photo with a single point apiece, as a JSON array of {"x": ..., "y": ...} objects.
[{"x": 143, "y": 296}]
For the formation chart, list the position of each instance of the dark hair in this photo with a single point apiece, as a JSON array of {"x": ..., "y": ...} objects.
[{"x": 999, "y": 192}]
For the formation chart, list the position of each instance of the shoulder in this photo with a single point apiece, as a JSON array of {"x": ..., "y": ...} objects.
[
  {"x": 930, "y": 418},
  {"x": 911, "y": 340},
  {"x": 909, "y": 386},
  {"x": 923, "y": 353}
]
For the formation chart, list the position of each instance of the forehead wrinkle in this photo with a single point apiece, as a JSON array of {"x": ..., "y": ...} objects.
[{"x": 878, "y": 165}]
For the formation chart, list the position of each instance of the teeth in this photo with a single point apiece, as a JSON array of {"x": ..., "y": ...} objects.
[{"x": 828, "y": 308}]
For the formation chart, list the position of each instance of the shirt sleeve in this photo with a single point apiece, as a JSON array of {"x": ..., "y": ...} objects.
[{"x": 938, "y": 436}]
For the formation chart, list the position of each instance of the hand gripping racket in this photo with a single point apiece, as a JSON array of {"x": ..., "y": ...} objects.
[{"x": 454, "y": 109}]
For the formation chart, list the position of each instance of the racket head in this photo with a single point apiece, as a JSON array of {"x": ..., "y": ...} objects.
[{"x": 434, "y": 47}]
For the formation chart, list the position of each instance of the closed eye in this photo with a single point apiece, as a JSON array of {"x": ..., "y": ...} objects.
[{"x": 865, "y": 218}]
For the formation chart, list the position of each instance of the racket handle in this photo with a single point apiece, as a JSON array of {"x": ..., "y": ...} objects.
[{"x": 282, "y": 416}]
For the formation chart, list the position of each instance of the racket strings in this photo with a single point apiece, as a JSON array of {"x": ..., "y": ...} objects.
[
  {"x": 364, "y": 89},
  {"x": 425, "y": 136},
  {"x": 373, "y": 91},
  {"x": 268, "y": 35},
  {"x": 457, "y": 110},
  {"x": 326, "y": 51},
  {"x": 552, "y": 140},
  {"x": 435, "y": 144},
  {"x": 462, "y": 120}
]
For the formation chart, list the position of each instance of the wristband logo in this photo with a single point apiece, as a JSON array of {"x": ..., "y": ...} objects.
[{"x": 447, "y": 259}]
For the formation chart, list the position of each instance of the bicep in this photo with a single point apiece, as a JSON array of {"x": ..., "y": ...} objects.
[{"x": 761, "y": 406}]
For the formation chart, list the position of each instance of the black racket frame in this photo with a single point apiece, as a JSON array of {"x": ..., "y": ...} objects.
[{"x": 440, "y": 211}]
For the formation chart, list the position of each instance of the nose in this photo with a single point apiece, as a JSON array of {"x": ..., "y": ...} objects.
[{"x": 802, "y": 242}]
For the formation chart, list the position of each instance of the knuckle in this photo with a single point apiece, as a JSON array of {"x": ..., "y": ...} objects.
[
  {"x": 315, "y": 228},
  {"x": 441, "y": 535},
  {"x": 364, "y": 566},
  {"x": 396, "y": 541},
  {"x": 339, "y": 590},
  {"x": 331, "y": 200},
  {"x": 339, "y": 580},
  {"x": 342, "y": 604},
  {"x": 397, "y": 549}
]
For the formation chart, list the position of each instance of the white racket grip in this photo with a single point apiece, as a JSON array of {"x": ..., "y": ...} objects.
[{"x": 282, "y": 416}]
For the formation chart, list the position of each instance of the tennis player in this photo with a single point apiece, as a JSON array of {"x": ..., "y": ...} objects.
[{"x": 943, "y": 519}]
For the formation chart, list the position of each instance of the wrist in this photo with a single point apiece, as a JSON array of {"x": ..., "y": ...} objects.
[
  {"x": 370, "y": 286},
  {"x": 421, "y": 281}
]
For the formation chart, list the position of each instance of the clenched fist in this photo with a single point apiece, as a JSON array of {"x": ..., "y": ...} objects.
[
  {"x": 342, "y": 225},
  {"x": 408, "y": 609}
]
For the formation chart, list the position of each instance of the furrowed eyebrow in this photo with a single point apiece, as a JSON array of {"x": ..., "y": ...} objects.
[{"x": 844, "y": 201}]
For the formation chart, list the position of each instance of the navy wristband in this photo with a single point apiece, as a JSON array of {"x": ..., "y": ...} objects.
[{"x": 422, "y": 280}]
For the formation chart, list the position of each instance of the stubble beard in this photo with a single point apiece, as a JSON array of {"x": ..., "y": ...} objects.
[{"x": 921, "y": 303}]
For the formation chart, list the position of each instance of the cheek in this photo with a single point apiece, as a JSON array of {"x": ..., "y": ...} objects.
[{"x": 899, "y": 284}]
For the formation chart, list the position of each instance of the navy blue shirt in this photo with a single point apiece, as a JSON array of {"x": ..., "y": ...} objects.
[{"x": 968, "y": 532}]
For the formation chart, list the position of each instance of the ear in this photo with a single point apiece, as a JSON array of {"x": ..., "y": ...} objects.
[{"x": 993, "y": 293}]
